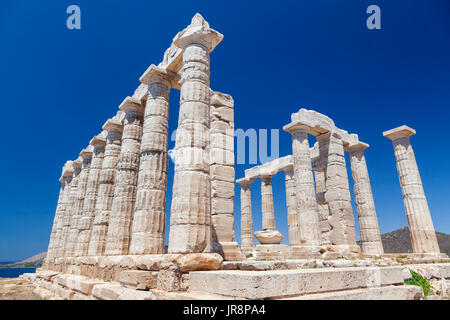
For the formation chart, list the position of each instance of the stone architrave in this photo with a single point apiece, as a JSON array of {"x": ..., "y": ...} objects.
[
  {"x": 246, "y": 215},
  {"x": 77, "y": 210},
  {"x": 190, "y": 220},
  {"x": 87, "y": 217},
  {"x": 118, "y": 237},
  {"x": 365, "y": 206},
  {"x": 59, "y": 237},
  {"x": 149, "y": 219},
  {"x": 337, "y": 193},
  {"x": 105, "y": 193},
  {"x": 291, "y": 204},
  {"x": 69, "y": 219},
  {"x": 304, "y": 180},
  {"x": 423, "y": 235}
]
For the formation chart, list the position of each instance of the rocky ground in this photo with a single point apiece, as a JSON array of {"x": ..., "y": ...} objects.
[{"x": 17, "y": 289}]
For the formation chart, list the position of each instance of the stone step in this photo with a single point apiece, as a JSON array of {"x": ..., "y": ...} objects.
[
  {"x": 286, "y": 283},
  {"x": 404, "y": 292}
]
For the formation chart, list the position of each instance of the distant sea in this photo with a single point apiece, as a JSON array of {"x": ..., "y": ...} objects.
[{"x": 15, "y": 272}]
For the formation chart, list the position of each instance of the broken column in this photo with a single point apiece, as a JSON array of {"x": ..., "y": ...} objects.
[
  {"x": 423, "y": 236},
  {"x": 337, "y": 194},
  {"x": 306, "y": 195},
  {"x": 190, "y": 221},
  {"x": 365, "y": 206},
  {"x": 118, "y": 237},
  {"x": 105, "y": 194},
  {"x": 147, "y": 231},
  {"x": 77, "y": 210},
  {"x": 222, "y": 176},
  {"x": 85, "y": 222},
  {"x": 246, "y": 215}
]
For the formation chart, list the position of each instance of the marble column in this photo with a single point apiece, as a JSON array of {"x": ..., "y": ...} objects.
[
  {"x": 190, "y": 220},
  {"x": 322, "y": 204},
  {"x": 365, "y": 206},
  {"x": 291, "y": 204},
  {"x": 69, "y": 219},
  {"x": 304, "y": 180},
  {"x": 337, "y": 193},
  {"x": 423, "y": 235},
  {"x": 268, "y": 212},
  {"x": 77, "y": 209},
  {"x": 118, "y": 237},
  {"x": 105, "y": 194},
  {"x": 87, "y": 217},
  {"x": 147, "y": 231},
  {"x": 51, "y": 252},
  {"x": 246, "y": 215},
  {"x": 59, "y": 237}
]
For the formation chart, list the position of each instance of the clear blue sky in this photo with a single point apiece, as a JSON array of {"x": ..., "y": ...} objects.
[{"x": 58, "y": 86}]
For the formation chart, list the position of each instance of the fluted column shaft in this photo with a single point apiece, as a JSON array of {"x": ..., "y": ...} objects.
[
  {"x": 322, "y": 205},
  {"x": 423, "y": 235},
  {"x": 147, "y": 232},
  {"x": 337, "y": 193},
  {"x": 304, "y": 180},
  {"x": 51, "y": 252},
  {"x": 291, "y": 204},
  {"x": 59, "y": 237},
  {"x": 246, "y": 216},
  {"x": 365, "y": 206},
  {"x": 268, "y": 212},
  {"x": 77, "y": 209},
  {"x": 69, "y": 218},
  {"x": 87, "y": 217},
  {"x": 118, "y": 237},
  {"x": 105, "y": 195},
  {"x": 190, "y": 221}
]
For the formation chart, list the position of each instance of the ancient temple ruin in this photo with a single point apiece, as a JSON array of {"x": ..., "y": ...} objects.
[{"x": 110, "y": 217}]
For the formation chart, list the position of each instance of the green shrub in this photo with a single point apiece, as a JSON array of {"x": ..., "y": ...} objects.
[{"x": 418, "y": 280}]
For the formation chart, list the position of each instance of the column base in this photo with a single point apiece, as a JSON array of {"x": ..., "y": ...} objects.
[{"x": 271, "y": 252}]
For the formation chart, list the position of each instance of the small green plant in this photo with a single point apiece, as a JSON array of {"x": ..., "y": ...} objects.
[
  {"x": 314, "y": 264},
  {"x": 250, "y": 255},
  {"x": 418, "y": 280}
]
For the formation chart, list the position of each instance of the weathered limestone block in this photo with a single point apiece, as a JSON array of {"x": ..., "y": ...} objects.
[
  {"x": 423, "y": 236},
  {"x": 77, "y": 209},
  {"x": 86, "y": 220},
  {"x": 304, "y": 180},
  {"x": 105, "y": 196},
  {"x": 246, "y": 215},
  {"x": 365, "y": 206},
  {"x": 190, "y": 221},
  {"x": 337, "y": 193},
  {"x": 147, "y": 232},
  {"x": 139, "y": 279},
  {"x": 269, "y": 237},
  {"x": 118, "y": 236}
]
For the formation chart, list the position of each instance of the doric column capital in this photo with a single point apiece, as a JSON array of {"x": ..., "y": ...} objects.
[
  {"x": 244, "y": 182},
  {"x": 77, "y": 164},
  {"x": 86, "y": 154},
  {"x": 198, "y": 32},
  {"x": 399, "y": 132},
  {"x": 98, "y": 141},
  {"x": 155, "y": 74},
  {"x": 131, "y": 104},
  {"x": 358, "y": 146},
  {"x": 113, "y": 125}
]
